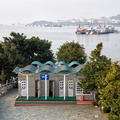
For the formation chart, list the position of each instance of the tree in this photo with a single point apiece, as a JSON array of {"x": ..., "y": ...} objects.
[
  {"x": 110, "y": 94},
  {"x": 39, "y": 50},
  {"x": 104, "y": 78},
  {"x": 17, "y": 50},
  {"x": 2, "y": 63},
  {"x": 71, "y": 51},
  {"x": 95, "y": 71}
]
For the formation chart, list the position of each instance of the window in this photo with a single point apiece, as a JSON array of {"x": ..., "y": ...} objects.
[
  {"x": 80, "y": 91},
  {"x": 23, "y": 84},
  {"x": 23, "y": 88}
]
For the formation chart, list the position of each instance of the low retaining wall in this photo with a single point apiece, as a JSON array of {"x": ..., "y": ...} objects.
[{"x": 4, "y": 88}]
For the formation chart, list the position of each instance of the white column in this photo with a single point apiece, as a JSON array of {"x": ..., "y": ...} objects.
[
  {"x": 64, "y": 86},
  {"x": 27, "y": 85},
  {"x": 45, "y": 87},
  {"x": 38, "y": 89}
]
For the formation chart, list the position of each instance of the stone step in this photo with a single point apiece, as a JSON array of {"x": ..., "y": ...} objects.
[
  {"x": 35, "y": 103},
  {"x": 45, "y": 101},
  {"x": 84, "y": 102}
]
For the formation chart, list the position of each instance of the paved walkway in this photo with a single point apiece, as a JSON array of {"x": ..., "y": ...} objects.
[{"x": 58, "y": 112}]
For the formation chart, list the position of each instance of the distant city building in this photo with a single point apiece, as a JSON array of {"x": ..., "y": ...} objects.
[{"x": 115, "y": 20}]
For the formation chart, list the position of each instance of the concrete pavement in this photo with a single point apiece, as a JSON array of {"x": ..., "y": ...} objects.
[{"x": 50, "y": 112}]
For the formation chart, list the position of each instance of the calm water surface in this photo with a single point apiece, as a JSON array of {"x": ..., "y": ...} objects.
[{"x": 59, "y": 35}]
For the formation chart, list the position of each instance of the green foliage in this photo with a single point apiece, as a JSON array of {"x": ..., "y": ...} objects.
[
  {"x": 17, "y": 50},
  {"x": 71, "y": 51},
  {"x": 95, "y": 54},
  {"x": 105, "y": 109},
  {"x": 39, "y": 50},
  {"x": 104, "y": 78},
  {"x": 95, "y": 103},
  {"x": 110, "y": 94},
  {"x": 95, "y": 71},
  {"x": 113, "y": 117}
]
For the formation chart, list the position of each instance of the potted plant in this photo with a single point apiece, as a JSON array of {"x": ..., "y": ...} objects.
[{"x": 105, "y": 109}]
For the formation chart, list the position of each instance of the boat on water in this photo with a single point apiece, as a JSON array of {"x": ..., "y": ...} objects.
[
  {"x": 84, "y": 29},
  {"x": 105, "y": 29},
  {"x": 101, "y": 29}
]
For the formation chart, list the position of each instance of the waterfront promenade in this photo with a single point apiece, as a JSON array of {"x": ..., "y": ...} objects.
[{"x": 50, "y": 112}]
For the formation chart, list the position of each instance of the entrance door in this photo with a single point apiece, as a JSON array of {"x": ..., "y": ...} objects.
[
  {"x": 51, "y": 88},
  {"x": 70, "y": 88},
  {"x": 61, "y": 88},
  {"x": 23, "y": 88},
  {"x": 37, "y": 89}
]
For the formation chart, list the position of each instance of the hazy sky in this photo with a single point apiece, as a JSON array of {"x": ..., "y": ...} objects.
[{"x": 27, "y": 11}]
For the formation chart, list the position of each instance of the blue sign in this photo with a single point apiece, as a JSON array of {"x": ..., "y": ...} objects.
[{"x": 42, "y": 76}]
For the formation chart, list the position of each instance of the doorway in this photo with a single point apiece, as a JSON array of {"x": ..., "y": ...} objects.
[
  {"x": 37, "y": 88},
  {"x": 51, "y": 88}
]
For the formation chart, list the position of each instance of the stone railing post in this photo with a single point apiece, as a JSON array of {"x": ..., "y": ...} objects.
[{"x": 6, "y": 85}]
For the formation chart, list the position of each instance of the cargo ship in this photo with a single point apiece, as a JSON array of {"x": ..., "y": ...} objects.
[
  {"x": 101, "y": 29},
  {"x": 105, "y": 29},
  {"x": 83, "y": 29}
]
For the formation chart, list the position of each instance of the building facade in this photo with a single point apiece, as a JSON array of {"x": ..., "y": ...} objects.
[{"x": 51, "y": 80}]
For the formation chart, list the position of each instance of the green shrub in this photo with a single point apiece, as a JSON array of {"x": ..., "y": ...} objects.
[
  {"x": 105, "y": 109},
  {"x": 95, "y": 103},
  {"x": 113, "y": 117}
]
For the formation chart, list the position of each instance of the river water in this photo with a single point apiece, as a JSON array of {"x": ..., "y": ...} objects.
[{"x": 59, "y": 35}]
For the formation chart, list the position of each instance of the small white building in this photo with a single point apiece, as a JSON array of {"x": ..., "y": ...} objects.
[{"x": 51, "y": 80}]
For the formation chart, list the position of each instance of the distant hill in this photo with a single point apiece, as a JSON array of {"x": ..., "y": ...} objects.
[
  {"x": 42, "y": 22},
  {"x": 115, "y": 17},
  {"x": 54, "y": 24}
]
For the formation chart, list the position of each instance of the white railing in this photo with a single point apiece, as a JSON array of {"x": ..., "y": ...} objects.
[{"x": 4, "y": 88}]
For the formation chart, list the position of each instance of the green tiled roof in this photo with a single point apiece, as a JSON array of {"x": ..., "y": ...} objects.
[
  {"x": 50, "y": 67},
  {"x": 28, "y": 69},
  {"x": 16, "y": 70},
  {"x": 36, "y": 63},
  {"x": 55, "y": 64},
  {"x": 45, "y": 69},
  {"x": 61, "y": 63},
  {"x": 74, "y": 63},
  {"x": 50, "y": 63}
]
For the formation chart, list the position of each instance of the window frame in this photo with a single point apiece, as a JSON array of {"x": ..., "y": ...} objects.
[{"x": 81, "y": 91}]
